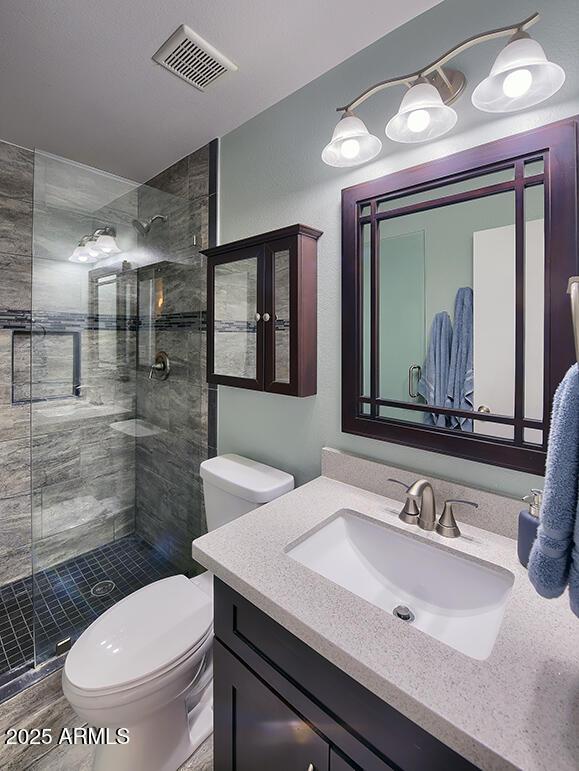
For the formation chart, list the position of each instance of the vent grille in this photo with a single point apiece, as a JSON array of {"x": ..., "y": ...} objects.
[{"x": 193, "y": 59}]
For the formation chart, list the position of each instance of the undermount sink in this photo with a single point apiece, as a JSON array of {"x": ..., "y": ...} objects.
[{"x": 451, "y": 597}]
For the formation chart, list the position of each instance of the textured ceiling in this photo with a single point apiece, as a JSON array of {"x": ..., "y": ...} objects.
[{"x": 77, "y": 79}]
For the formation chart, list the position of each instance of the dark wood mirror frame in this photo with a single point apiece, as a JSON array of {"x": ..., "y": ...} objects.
[{"x": 557, "y": 144}]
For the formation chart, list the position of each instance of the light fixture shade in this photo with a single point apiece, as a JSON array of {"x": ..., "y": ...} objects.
[
  {"x": 422, "y": 116},
  {"x": 90, "y": 246},
  {"x": 107, "y": 244},
  {"x": 352, "y": 143},
  {"x": 521, "y": 77},
  {"x": 83, "y": 255}
]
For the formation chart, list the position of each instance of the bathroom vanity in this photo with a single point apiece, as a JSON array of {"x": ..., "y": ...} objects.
[
  {"x": 313, "y": 670},
  {"x": 324, "y": 720}
]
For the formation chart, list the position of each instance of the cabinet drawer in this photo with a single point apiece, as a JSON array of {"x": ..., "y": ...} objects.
[{"x": 362, "y": 726}]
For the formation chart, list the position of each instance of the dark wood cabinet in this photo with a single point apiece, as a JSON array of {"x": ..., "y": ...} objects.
[
  {"x": 262, "y": 312},
  {"x": 280, "y": 705},
  {"x": 339, "y": 763},
  {"x": 258, "y": 729}
]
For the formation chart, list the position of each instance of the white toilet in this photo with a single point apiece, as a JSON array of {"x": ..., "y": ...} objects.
[{"x": 146, "y": 664}]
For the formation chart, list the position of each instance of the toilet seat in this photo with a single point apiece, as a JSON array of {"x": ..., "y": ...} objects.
[{"x": 140, "y": 639}]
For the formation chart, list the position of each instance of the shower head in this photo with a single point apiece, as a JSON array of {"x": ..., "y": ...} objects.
[{"x": 144, "y": 226}]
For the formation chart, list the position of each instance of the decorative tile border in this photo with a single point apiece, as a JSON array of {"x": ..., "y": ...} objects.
[{"x": 77, "y": 322}]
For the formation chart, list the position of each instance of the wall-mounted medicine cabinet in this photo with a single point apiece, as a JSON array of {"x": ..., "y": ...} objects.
[{"x": 262, "y": 312}]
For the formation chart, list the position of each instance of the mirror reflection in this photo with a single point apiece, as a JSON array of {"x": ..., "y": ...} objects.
[{"x": 439, "y": 319}]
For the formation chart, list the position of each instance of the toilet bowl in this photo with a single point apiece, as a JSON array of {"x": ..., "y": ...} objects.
[{"x": 146, "y": 664}]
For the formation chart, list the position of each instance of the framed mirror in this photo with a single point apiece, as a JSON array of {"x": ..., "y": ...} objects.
[{"x": 456, "y": 326}]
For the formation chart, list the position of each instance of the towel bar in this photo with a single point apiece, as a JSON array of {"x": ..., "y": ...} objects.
[{"x": 573, "y": 290}]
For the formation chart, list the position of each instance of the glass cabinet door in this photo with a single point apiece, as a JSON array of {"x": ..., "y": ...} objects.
[
  {"x": 236, "y": 318},
  {"x": 278, "y": 319}
]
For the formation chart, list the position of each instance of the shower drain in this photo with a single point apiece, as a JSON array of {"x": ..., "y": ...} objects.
[{"x": 102, "y": 589}]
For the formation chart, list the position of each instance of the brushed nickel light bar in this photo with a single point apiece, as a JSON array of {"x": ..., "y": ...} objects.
[{"x": 521, "y": 76}]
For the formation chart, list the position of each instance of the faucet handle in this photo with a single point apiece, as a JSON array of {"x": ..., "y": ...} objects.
[
  {"x": 446, "y": 525},
  {"x": 410, "y": 512},
  {"x": 398, "y": 482}
]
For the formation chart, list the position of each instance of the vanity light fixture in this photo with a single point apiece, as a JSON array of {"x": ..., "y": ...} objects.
[
  {"x": 85, "y": 252},
  {"x": 106, "y": 240},
  {"x": 351, "y": 143},
  {"x": 422, "y": 115},
  {"x": 521, "y": 77}
]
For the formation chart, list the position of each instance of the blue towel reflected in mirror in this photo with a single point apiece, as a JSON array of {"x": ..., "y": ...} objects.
[{"x": 447, "y": 378}]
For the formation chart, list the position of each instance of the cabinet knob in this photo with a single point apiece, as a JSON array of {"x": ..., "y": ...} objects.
[
  {"x": 266, "y": 317},
  {"x": 311, "y": 767},
  {"x": 257, "y": 316}
]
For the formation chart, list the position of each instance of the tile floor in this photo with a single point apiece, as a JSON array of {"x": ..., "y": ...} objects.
[
  {"x": 79, "y": 758},
  {"x": 62, "y": 599}
]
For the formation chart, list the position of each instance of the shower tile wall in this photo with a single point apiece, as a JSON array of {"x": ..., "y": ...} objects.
[
  {"x": 16, "y": 192},
  {"x": 82, "y": 485},
  {"x": 181, "y": 409}
]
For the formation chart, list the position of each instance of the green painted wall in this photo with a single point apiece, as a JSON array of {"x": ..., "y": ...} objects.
[{"x": 272, "y": 175}]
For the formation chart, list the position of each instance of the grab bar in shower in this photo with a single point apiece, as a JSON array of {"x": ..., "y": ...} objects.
[{"x": 573, "y": 290}]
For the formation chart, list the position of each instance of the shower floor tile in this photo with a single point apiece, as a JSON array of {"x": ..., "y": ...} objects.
[{"x": 63, "y": 604}]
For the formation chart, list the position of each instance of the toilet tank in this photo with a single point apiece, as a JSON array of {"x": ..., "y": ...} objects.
[{"x": 233, "y": 485}]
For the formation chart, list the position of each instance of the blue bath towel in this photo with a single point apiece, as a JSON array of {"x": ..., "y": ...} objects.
[
  {"x": 554, "y": 560},
  {"x": 461, "y": 377},
  {"x": 433, "y": 381}
]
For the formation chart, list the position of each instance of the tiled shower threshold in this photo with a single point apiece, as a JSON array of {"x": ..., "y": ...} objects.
[{"x": 64, "y": 604}]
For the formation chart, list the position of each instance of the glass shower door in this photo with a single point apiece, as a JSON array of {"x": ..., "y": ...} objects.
[{"x": 115, "y": 500}]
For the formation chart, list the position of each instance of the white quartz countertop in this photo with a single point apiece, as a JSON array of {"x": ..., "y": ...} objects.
[{"x": 517, "y": 709}]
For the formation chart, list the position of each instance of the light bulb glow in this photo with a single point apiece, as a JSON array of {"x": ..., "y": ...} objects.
[
  {"x": 107, "y": 245},
  {"x": 351, "y": 143},
  {"x": 82, "y": 258},
  {"x": 517, "y": 83},
  {"x": 418, "y": 120},
  {"x": 350, "y": 148}
]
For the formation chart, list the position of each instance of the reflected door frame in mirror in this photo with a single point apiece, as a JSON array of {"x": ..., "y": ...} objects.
[{"x": 557, "y": 145}]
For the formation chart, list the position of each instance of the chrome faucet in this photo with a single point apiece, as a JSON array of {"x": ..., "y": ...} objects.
[
  {"x": 422, "y": 490},
  {"x": 425, "y": 516}
]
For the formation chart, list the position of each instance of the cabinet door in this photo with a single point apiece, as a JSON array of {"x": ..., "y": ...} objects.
[
  {"x": 281, "y": 315},
  {"x": 255, "y": 729},
  {"x": 234, "y": 309},
  {"x": 339, "y": 763}
]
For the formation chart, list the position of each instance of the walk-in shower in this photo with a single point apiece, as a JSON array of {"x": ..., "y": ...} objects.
[{"x": 101, "y": 473}]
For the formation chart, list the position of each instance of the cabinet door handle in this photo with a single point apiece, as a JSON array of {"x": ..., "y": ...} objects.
[
  {"x": 311, "y": 767},
  {"x": 257, "y": 316},
  {"x": 266, "y": 317}
]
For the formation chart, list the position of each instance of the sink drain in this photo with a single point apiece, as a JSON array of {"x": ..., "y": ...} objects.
[
  {"x": 102, "y": 589},
  {"x": 403, "y": 613}
]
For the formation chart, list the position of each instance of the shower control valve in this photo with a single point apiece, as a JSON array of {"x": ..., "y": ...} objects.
[{"x": 161, "y": 368}]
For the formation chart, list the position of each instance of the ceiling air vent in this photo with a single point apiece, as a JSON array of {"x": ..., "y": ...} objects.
[{"x": 193, "y": 59}]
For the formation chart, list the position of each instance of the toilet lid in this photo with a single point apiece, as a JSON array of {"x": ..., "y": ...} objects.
[{"x": 141, "y": 635}]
